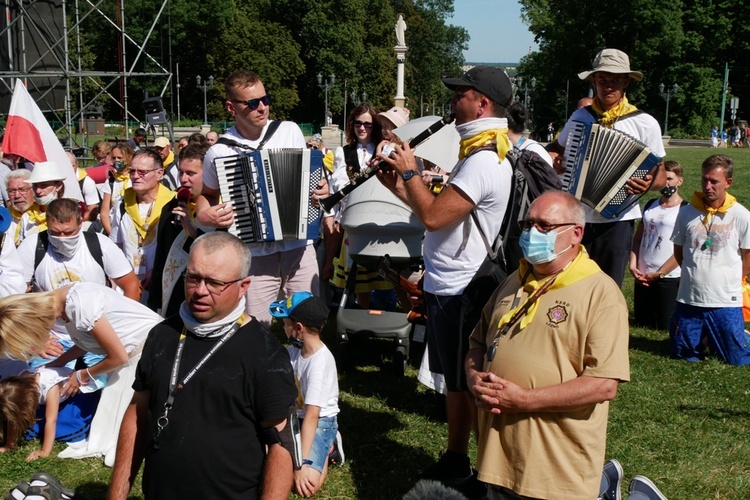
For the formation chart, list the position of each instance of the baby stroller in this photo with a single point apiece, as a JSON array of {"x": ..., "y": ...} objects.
[{"x": 377, "y": 224}]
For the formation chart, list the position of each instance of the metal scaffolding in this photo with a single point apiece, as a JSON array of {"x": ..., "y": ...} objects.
[{"x": 51, "y": 68}]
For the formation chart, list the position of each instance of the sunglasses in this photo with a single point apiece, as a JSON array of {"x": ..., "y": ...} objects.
[
  {"x": 140, "y": 173},
  {"x": 254, "y": 103},
  {"x": 358, "y": 123}
]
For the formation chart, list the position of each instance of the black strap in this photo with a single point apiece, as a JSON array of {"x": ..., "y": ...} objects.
[
  {"x": 175, "y": 387},
  {"x": 272, "y": 127}
]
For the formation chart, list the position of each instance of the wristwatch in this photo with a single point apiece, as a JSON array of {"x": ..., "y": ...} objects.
[
  {"x": 661, "y": 275},
  {"x": 409, "y": 174}
]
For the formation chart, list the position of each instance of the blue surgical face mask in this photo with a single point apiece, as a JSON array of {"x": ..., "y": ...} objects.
[{"x": 539, "y": 247}]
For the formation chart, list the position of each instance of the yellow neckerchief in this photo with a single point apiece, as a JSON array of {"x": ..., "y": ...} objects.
[
  {"x": 81, "y": 174},
  {"x": 328, "y": 161},
  {"x": 191, "y": 209},
  {"x": 123, "y": 178},
  {"x": 581, "y": 267},
  {"x": 609, "y": 117},
  {"x": 169, "y": 160},
  {"x": 36, "y": 216},
  {"x": 498, "y": 136},
  {"x": 163, "y": 196},
  {"x": 697, "y": 202}
]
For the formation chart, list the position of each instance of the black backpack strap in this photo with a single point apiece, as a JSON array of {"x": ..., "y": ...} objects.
[
  {"x": 42, "y": 242},
  {"x": 272, "y": 127},
  {"x": 650, "y": 203},
  {"x": 95, "y": 248}
]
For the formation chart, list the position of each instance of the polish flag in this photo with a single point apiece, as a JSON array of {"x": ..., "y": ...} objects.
[{"x": 28, "y": 134}]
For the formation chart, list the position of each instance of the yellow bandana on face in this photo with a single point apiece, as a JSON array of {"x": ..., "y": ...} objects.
[
  {"x": 497, "y": 136},
  {"x": 163, "y": 196},
  {"x": 698, "y": 203},
  {"x": 609, "y": 117},
  {"x": 581, "y": 267}
]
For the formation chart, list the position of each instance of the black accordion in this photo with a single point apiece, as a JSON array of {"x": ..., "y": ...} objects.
[
  {"x": 269, "y": 191},
  {"x": 598, "y": 163}
]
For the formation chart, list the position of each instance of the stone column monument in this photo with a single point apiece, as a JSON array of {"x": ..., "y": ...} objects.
[{"x": 400, "y": 49}]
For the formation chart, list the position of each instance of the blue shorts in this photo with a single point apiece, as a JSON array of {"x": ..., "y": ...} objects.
[
  {"x": 325, "y": 436},
  {"x": 722, "y": 327}
]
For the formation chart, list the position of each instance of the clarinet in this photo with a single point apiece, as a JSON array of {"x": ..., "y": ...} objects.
[{"x": 376, "y": 164}]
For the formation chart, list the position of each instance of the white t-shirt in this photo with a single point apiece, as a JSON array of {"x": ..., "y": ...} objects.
[
  {"x": 318, "y": 380},
  {"x": 89, "y": 191},
  {"x": 288, "y": 135},
  {"x": 22, "y": 228},
  {"x": 656, "y": 244},
  {"x": 11, "y": 278},
  {"x": 55, "y": 271},
  {"x": 712, "y": 273},
  {"x": 453, "y": 254},
  {"x": 116, "y": 193},
  {"x": 87, "y": 302},
  {"x": 643, "y": 127}
]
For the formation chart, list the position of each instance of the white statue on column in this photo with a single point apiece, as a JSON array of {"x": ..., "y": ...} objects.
[{"x": 400, "y": 29}]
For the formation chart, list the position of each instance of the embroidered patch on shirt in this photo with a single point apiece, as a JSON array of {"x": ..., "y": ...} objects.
[{"x": 557, "y": 314}]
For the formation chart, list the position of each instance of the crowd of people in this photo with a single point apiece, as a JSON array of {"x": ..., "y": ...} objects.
[{"x": 130, "y": 296}]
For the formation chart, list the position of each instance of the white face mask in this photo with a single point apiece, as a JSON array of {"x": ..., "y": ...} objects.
[
  {"x": 47, "y": 198},
  {"x": 65, "y": 246}
]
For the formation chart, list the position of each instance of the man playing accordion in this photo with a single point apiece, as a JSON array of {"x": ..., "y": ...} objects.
[{"x": 608, "y": 241}]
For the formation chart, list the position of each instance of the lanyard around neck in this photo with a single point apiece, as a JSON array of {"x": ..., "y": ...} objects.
[{"x": 174, "y": 387}]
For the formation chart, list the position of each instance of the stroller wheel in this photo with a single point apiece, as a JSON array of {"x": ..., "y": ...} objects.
[
  {"x": 345, "y": 356},
  {"x": 399, "y": 361}
]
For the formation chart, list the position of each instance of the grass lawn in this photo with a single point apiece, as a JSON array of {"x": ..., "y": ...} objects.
[{"x": 683, "y": 425}]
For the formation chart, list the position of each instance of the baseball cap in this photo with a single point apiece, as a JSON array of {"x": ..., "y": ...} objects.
[
  {"x": 303, "y": 307},
  {"x": 161, "y": 142},
  {"x": 45, "y": 171},
  {"x": 492, "y": 82},
  {"x": 612, "y": 61}
]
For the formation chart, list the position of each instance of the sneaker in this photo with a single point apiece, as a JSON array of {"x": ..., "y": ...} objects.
[
  {"x": 641, "y": 488},
  {"x": 473, "y": 488},
  {"x": 609, "y": 488},
  {"x": 451, "y": 469},
  {"x": 336, "y": 456}
]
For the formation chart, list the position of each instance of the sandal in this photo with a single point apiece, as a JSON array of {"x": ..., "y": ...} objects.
[
  {"x": 19, "y": 492},
  {"x": 63, "y": 492}
]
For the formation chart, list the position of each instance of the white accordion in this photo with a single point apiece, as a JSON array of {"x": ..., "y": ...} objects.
[
  {"x": 269, "y": 191},
  {"x": 599, "y": 161}
]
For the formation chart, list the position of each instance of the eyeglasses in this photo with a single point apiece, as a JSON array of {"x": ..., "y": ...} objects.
[
  {"x": 214, "y": 286},
  {"x": 358, "y": 123},
  {"x": 541, "y": 226},
  {"x": 253, "y": 104},
  {"x": 141, "y": 173},
  {"x": 22, "y": 190}
]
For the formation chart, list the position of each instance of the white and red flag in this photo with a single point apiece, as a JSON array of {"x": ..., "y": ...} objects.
[{"x": 28, "y": 134}]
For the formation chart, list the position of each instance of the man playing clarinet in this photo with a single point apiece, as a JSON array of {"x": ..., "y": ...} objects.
[{"x": 608, "y": 241}]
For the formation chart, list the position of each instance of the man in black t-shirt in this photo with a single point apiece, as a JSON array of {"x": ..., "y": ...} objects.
[{"x": 210, "y": 442}]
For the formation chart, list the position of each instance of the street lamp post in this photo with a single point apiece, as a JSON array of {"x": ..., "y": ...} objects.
[
  {"x": 528, "y": 104},
  {"x": 666, "y": 96},
  {"x": 325, "y": 85},
  {"x": 206, "y": 85}
]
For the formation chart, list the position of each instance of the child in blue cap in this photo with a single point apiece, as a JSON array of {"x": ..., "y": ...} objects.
[{"x": 315, "y": 368}]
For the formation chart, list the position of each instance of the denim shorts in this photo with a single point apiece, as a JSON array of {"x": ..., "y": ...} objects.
[{"x": 325, "y": 436}]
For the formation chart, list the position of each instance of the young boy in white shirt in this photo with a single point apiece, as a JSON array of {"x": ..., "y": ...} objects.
[{"x": 315, "y": 370}]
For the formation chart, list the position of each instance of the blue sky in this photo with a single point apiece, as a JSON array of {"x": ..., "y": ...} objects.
[{"x": 496, "y": 30}]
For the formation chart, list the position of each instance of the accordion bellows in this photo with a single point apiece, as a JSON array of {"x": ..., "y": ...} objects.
[
  {"x": 599, "y": 161},
  {"x": 270, "y": 191}
]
